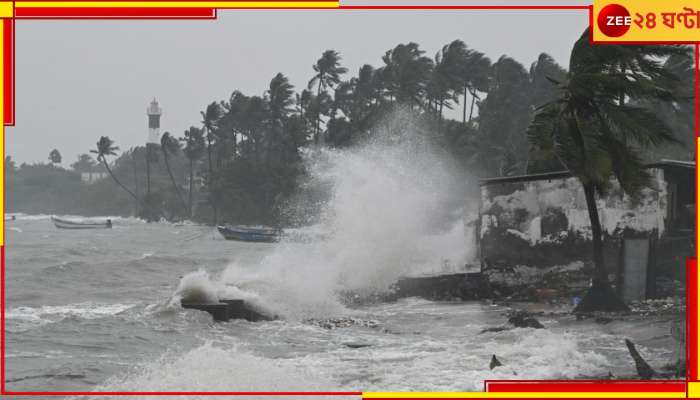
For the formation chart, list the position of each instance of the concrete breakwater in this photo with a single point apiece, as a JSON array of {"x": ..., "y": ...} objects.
[{"x": 226, "y": 310}]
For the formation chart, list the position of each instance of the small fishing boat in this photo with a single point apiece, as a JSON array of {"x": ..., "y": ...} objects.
[
  {"x": 250, "y": 234},
  {"x": 68, "y": 224}
]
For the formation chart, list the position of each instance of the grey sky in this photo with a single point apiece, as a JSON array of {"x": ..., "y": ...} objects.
[{"x": 78, "y": 80}]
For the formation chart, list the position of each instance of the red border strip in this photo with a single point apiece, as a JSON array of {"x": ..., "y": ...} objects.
[{"x": 115, "y": 13}]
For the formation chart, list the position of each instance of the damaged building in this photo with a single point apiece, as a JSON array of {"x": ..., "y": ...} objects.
[{"x": 535, "y": 230}]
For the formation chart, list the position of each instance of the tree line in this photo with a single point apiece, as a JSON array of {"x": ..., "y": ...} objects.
[{"x": 241, "y": 161}]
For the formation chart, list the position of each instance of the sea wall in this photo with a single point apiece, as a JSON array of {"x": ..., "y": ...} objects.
[{"x": 530, "y": 226}]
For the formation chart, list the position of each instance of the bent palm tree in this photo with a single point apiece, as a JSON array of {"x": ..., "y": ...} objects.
[
  {"x": 597, "y": 135},
  {"x": 407, "y": 73},
  {"x": 170, "y": 145},
  {"x": 106, "y": 147},
  {"x": 328, "y": 71},
  {"x": 280, "y": 100}
]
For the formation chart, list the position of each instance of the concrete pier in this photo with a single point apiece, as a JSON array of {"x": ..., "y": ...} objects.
[{"x": 226, "y": 310}]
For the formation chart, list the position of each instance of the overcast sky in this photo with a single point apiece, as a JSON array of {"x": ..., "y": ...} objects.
[{"x": 78, "y": 80}]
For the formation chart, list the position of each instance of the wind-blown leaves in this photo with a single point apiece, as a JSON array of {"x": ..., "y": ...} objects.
[{"x": 598, "y": 133}]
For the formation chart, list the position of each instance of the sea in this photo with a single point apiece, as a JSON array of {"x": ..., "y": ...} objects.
[{"x": 99, "y": 310}]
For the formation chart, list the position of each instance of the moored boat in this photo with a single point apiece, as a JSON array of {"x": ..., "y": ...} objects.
[
  {"x": 71, "y": 224},
  {"x": 250, "y": 234}
]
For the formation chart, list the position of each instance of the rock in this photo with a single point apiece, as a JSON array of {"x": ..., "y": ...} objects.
[
  {"x": 643, "y": 369},
  {"x": 494, "y": 362},
  {"x": 522, "y": 319}
]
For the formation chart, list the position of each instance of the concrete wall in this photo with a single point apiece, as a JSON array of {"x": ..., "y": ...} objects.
[{"x": 540, "y": 225}]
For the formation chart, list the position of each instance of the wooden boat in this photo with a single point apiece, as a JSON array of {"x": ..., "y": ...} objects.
[
  {"x": 68, "y": 224},
  {"x": 250, "y": 234}
]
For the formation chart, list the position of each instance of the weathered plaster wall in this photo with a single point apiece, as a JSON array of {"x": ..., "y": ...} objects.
[{"x": 544, "y": 223}]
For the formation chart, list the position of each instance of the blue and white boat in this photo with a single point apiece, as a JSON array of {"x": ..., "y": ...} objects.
[
  {"x": 250, "y": 234},
  {"x": 74, "y": 224}
]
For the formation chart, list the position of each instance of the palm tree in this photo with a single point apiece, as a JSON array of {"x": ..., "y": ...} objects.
[
  {"x": 194, "y": 150},
  {"x": 597, "y": 136},
  {"x": 210, "y": 118},
  {"x": 473, "y": 70},
  {"x": 406, "y": 73},
  {"x": 170, "y": 145},
  {"x": 106, "y": 147},
  {"x": 280, "y": 96},
  {"x": 508, "y": 95},
  {"x": 446, "y": 83},
  {"x": 328, "y": 71},
  {"x": 229, "y": 124},
  {"x": 280, "y": 100}
]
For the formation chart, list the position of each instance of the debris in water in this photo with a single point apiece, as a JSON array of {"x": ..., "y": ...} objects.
[
  {"x": 343, "y": 322},
  {"x": 494, "y": 362},
  {"x": 356, "y": 345},
  {"x": 643, "y": 369}
]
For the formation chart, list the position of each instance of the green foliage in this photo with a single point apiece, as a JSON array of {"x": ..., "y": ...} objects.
[
  {"x": 594, "y": 127},
  {"x": 504, "y": 117},
  {"x": 407, "y": 73},
  {"x": 328, "y": 72},
  {"x": 616, "y": 108},
  {"x": 598, "y": 129}
]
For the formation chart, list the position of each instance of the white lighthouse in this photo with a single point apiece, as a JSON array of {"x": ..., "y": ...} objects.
[{"x": 154, "y": 111}]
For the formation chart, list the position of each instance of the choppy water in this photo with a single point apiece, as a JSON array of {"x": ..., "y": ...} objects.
[
  {"x": 86, "y": 310},
  {"x": 98, "y": 310}
]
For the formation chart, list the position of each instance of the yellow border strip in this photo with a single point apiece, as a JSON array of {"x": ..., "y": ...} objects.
[
  {"x": 7, "y": 9},
  {"x": 177, "y": 4},
  {"x": 693, "y": 389}
]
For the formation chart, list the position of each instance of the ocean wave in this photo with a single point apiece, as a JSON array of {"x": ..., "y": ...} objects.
[
  {"x": 23, "y": 318},
  {"x": 211, "y": 368}
]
